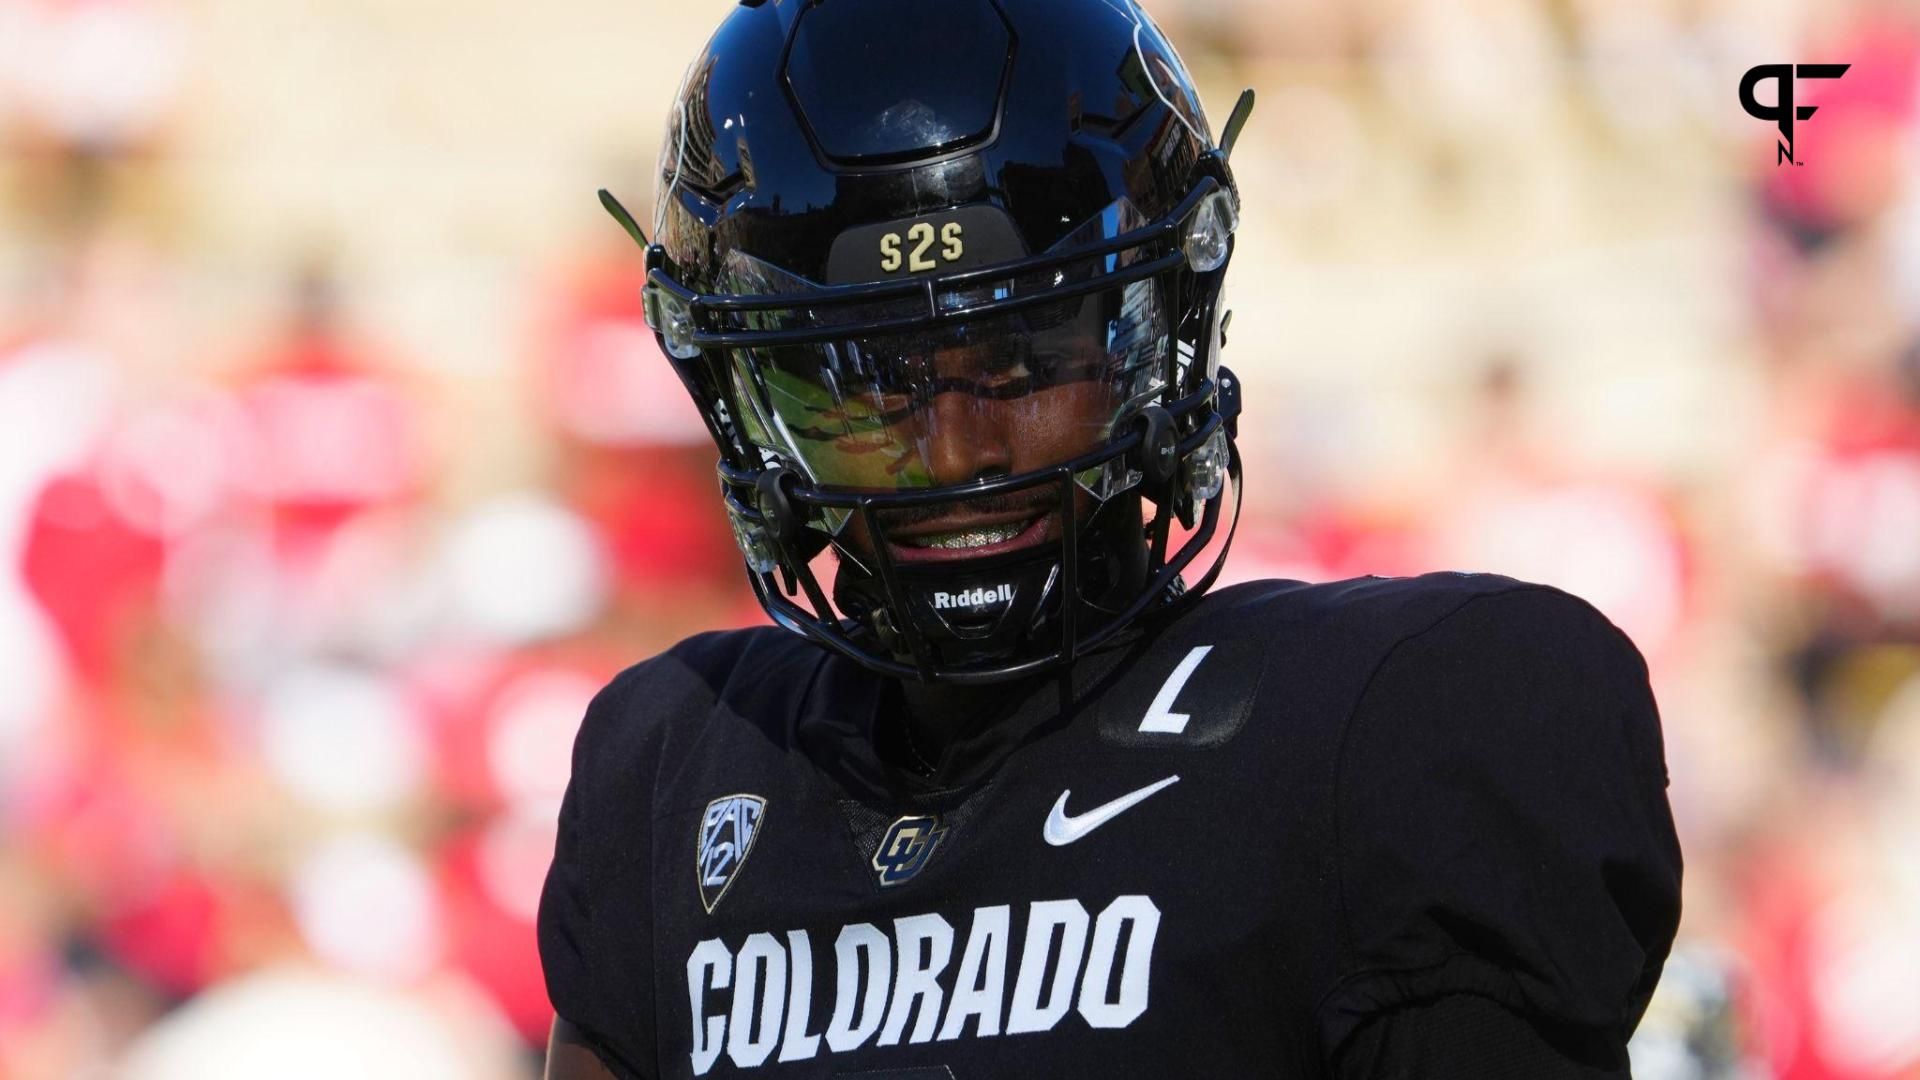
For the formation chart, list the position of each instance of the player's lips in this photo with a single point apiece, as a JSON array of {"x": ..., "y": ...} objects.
[{"x": 971, "y": 537}]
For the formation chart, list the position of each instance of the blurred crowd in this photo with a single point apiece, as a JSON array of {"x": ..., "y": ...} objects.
[{"x": 329, "y": 494}]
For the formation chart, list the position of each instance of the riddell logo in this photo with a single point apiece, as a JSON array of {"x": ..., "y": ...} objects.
[
  {"x": 1782, "y": 112},
  {"x": 1002, "y": 594}
]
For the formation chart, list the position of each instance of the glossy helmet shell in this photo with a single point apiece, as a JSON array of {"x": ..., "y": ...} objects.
[{"x": 804, "y": 130}]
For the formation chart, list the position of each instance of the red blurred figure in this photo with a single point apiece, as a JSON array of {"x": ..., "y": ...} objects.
[
  {"x": 503, "y": 730},
  {"x": 91, "y": 571},
  {"x": 1847, "y": 498},
  {"x": 632, "y": 445},
  {"x": 336, "y": 433},
  {"x": 488, "y": 907},
  {"x": 130, "y": 807},
  {"x": 1829, "y": 941}
]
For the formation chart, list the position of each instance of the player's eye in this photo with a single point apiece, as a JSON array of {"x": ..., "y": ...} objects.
[
  {"x": 1058, "y": 367},
  {"x": 1006, "y": 368}
]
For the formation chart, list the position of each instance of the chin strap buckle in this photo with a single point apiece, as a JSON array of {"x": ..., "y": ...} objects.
[
  {"x": 1156, "y": 456},
  {"x": 1227, "y": 400}
]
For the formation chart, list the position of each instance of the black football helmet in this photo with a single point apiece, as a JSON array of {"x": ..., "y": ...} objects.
[{"x": 944, "y": 278}]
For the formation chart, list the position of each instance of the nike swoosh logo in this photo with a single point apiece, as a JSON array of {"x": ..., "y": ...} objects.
[{"x": 1062, "y": 829}]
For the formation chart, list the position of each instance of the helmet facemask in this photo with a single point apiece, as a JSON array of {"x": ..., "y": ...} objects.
[{"x": 976, "y": 449}]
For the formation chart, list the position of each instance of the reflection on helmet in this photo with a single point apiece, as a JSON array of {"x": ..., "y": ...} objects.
[{"x": 860, "y": 414}]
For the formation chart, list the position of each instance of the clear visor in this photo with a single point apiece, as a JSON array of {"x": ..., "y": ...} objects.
[{"x": 1007, "y": 394}]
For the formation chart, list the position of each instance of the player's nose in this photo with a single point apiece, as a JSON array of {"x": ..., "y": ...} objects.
[{"x": 967, "y": 439}]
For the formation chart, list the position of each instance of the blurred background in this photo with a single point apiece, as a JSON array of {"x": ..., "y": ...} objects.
[{"x": 337, "y": 471}]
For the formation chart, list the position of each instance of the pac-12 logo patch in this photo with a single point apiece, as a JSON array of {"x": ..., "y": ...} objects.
[
  {"x": 906, "y": 847},
  {"x": 727, "y": 832}
]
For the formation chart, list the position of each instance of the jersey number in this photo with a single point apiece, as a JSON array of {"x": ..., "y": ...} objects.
[
  {"x": 1161, "y": 719},
  {"x": 953, "y": 245}
]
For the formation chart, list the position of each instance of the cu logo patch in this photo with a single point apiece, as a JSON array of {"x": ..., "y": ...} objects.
[
  {"x": 727, "y": 832},
  {"x": 905, "y": 849}
]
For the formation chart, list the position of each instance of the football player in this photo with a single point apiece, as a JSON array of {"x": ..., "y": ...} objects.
[{"x": 1007, "y": 792}]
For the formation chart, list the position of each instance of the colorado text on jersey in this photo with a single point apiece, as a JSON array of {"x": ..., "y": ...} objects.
[{"x": 891, "y": 984}]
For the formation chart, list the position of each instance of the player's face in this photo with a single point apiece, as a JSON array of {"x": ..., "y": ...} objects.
[
  {"x": 972, "y": 429},
  {"x": 1015, "y": 394}
]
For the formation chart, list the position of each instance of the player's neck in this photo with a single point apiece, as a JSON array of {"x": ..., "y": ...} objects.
[{"x": 936, "y": 715}]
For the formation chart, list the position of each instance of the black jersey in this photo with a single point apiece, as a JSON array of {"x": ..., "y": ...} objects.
[{"x": 1217, "y": 851}]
